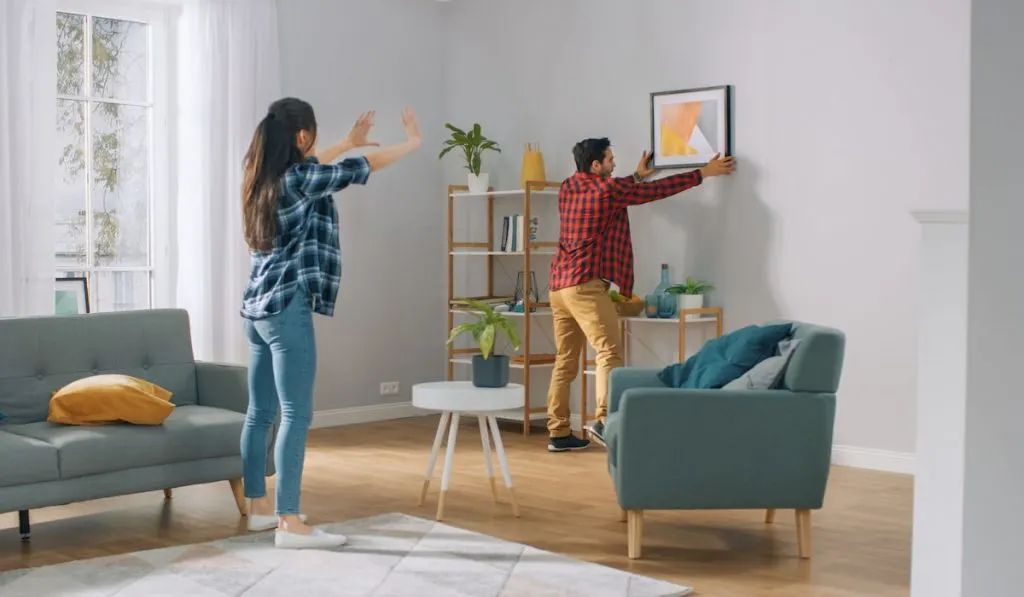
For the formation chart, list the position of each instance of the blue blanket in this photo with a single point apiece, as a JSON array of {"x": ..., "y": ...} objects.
[{"x": 726, "y": 358}]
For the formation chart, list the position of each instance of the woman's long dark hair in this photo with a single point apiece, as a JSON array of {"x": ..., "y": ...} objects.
[{"x": 273, "y": 149}]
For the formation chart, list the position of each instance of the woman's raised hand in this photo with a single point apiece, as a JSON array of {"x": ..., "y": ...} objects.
[
  {"x": 358, "y": 135},
  {"x": 412, "y": 127}
]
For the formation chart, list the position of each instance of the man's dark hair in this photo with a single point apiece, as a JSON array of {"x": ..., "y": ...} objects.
[{"x": 588, "y": 150}]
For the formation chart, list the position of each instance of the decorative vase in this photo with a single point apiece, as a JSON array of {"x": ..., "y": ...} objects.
[
  {"x": 660, "y": 304},
  {"x": 491, "y": 372},
  {"x": 479, "y": 183},
  {"x": 533, "y": 164}
]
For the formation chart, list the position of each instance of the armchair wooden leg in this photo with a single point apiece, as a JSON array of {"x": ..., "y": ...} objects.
[
  {"x": 168, "y": 493},
  {"x": 769, "y": 516},
  {"x": 239, "y": 492},
  {"x": 803, "y": 532},
  {"x": 635, "y": 521}
]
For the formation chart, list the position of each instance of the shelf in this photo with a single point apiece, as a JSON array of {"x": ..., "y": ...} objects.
[
  {"x": 465, "y": 361},
  {"x": 533, "y": 250},
  {"x": 513, "y": 253},
  {"x": 507, "y": 193},
  {"x": 539, "y": 311},
  {"x": 675, "y": 320}
]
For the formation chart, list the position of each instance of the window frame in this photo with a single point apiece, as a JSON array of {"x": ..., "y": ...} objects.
[{"x": 157, "y": 16}]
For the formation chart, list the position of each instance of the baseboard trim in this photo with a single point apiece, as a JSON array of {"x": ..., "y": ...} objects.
[
  {"x": 355, "y": 415},
  {"x": 877, "y": 460}
]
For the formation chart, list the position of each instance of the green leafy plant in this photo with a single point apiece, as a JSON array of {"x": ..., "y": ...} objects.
[
  {"x": 486, "y": 328},
  {"x": 472, "y": 143},
  {"x": 691, "y": 286}
]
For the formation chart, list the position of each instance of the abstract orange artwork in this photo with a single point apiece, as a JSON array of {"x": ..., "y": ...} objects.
[{"x": 689, "y": 126}]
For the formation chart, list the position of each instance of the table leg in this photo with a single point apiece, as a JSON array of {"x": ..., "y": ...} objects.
[
  {"x": 485, "y": 441},
  {"x": 500, "y": 449},
  {"x": 441, "y": 426},
  {"x": 449, "y": 455}
]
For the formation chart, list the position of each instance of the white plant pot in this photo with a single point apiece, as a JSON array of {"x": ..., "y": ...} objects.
[
  {"x": 691, "y": 301},
  {"x": 479, "y": 184}
]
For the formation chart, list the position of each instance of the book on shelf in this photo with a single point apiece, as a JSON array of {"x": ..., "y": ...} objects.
[{"x": 514, "y": 230}]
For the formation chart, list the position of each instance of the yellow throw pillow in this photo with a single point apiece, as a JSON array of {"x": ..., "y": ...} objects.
[{"x": 110, "y": 398}]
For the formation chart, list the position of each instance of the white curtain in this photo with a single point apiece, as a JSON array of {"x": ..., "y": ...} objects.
[
  {"x": 28, "y": 156},
  {"x": 229, "y": 73}
]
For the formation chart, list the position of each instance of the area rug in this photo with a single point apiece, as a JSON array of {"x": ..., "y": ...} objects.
[{"x": 392, "y": 555}]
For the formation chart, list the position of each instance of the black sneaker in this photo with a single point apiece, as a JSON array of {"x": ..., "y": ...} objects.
[
  {"x": 596, "y": 432},
  {"x": 567, "y": 443}
]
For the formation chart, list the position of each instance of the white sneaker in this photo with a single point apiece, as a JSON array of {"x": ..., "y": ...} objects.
[
  {"x": 315, "y": 540},
  {"x": 265, "y": 522}
]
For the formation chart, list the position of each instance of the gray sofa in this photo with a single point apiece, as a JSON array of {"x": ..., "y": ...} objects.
[{"x": 43, "y": 464}]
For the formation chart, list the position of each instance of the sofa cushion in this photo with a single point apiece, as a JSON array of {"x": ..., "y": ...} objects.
[
  {"x": 110, "y": 398},
  {"x": 189, "y": 433},
  {"x": 768, "y": 374},
  {"x": 724, "y": 359},
  {"x": 26, "y": 460}
]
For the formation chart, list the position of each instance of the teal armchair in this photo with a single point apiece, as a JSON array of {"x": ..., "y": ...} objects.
[{"x": 682, "y": 449}]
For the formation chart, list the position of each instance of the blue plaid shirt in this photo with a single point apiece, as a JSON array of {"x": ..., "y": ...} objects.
[{"x": 306, "y": 254}]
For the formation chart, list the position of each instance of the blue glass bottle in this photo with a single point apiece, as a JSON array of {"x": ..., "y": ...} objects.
[{"x": 661, "y": 304}]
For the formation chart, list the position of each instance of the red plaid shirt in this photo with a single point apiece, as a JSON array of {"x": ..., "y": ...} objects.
[{"x": 594, "y": 239}]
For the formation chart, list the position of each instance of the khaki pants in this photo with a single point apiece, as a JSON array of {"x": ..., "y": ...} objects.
[{"x": 583, "y": 313}]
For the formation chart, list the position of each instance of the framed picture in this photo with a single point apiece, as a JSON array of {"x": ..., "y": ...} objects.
[
  {"x": 71, "y": 296},
  {"x": 689, "y": 126}
]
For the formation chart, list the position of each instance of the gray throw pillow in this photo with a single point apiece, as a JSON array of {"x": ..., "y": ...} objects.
[{"x": 766, "y": 375}]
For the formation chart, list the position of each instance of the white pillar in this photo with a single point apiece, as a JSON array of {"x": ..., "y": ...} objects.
[
  {"x": 941, "y": 401},
  {"x": 993, "y": 523}
]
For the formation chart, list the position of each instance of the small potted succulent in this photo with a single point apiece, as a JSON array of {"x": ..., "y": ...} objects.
[
  {"x": 489, "y": 370},
  {"x": 690, "y": 293},
  {"x": 472, "y": 143}
]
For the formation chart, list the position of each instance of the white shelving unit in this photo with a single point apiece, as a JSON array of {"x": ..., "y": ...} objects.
[{"x": 486, "y": 249}]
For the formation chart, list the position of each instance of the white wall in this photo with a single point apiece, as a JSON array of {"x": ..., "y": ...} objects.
[
  {"x": 345, "y": 57},
  {"x": 847, "y": 115}
]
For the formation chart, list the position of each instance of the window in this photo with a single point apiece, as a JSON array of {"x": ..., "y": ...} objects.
[{"x": 111, "y": 138}]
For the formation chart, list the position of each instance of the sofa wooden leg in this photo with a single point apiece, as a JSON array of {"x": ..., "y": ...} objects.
[
  {"x": 24, "y": 527},
  {"x": 803, "y": 532},
  {"x": 635, "y": 521},
  {"x": 239, "y": 492},
  {"x": 168, "y": 493},
  {"x": 769, "y": 516}
]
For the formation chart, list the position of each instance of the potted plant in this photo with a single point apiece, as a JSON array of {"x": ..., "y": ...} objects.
[
  {"x": 472, "y": 143},
  {"x": 690, "y": 293},
  {"x": 489, "y": 370}
]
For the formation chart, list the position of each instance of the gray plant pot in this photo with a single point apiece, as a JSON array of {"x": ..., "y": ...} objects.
[{"x": 491, "y": 372}]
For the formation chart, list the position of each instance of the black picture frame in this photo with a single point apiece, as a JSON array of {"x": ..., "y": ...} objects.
[
  {"x": 77, "y": 285},
  {"x": 723, "y": 139}
]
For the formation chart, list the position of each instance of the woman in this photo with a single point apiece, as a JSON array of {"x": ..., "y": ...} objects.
[{"x": 290, "y": 224}]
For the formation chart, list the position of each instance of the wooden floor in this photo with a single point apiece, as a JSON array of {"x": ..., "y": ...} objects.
[{"x": 861, "y": 537}]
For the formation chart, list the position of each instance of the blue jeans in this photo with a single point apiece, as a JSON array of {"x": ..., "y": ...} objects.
[{"x": 281, "y": 370}]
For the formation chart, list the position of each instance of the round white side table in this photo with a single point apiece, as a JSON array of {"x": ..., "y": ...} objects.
[{"x": 456, "y": 398}]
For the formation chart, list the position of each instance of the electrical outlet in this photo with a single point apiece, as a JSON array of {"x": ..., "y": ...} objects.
[{"x": 389, "y": 388}]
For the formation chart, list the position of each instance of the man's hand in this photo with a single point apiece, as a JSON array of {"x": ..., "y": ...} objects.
[
  {"x": 718, "y": 166},
  {"x": 412, "y": 128},
  {"x": 357, "y": 136},
  {"x": 643, "y": 169}
]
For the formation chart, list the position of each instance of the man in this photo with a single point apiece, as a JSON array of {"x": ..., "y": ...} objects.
[{"x": 595, "y": 250}]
